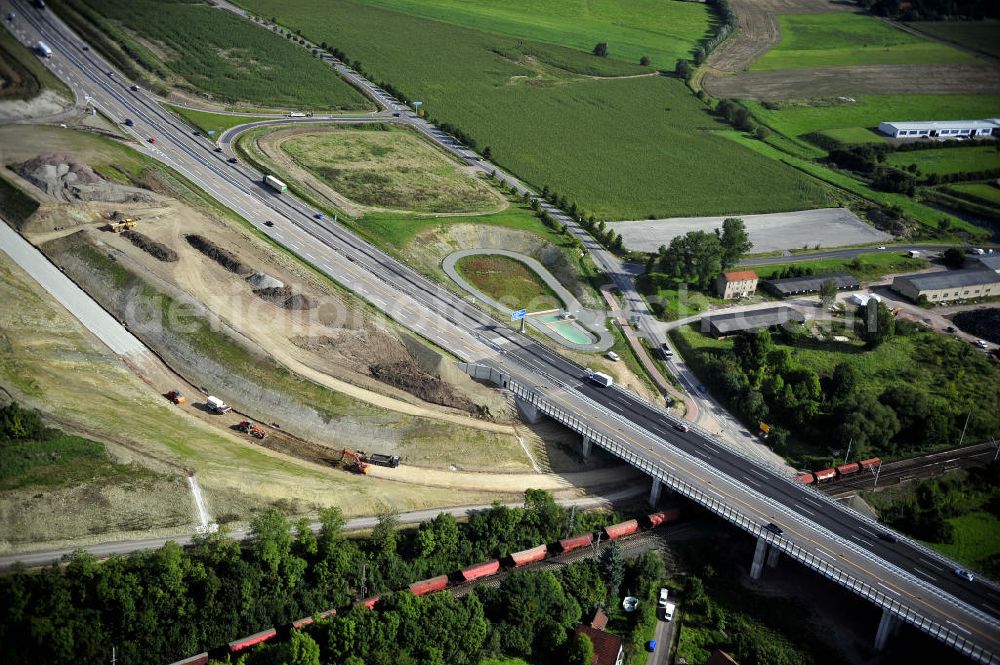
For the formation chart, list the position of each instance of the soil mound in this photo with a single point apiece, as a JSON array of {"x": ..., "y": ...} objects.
[
  {"x": 223, "y": 257},
  {"x": 283, "y": 297},
  {"x": 150, "y": 246},
  {"x": 66, "y": 178},
  {"x": 260, "y": 280},
  {"x": 407, "y": 376},
  {"x": 983, "y": 323}
]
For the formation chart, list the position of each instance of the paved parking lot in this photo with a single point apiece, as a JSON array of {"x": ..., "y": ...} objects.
[{"x": 827, "y": 227}]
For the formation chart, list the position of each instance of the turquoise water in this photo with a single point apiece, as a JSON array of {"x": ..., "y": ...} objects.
[{"x": 566, "y": 328}]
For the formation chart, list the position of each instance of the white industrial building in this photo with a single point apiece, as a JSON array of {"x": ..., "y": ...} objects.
[{"x": 941, "y": 129}]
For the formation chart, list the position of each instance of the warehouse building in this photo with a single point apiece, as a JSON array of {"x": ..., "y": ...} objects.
[
  {"x": 988, "y": 262},
  {"x": 949, "y": 285},
  {"x": 736, "y": 284},
  {"x": 941, "y": 129},
  {"x": 793, "y": 286},
  {"x": 724, "y": 325}
]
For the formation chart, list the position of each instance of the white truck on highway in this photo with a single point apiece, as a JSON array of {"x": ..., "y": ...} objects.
[
  {"x": 602, "y": 379},
  {"x": 43, "y": 50},
  {"x": 275, "y": 184}
]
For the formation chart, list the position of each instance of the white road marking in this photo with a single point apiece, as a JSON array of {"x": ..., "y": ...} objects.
[
  {"x": 959, "y": 627},
  {"x": 924, "y": 575},
  {"x": 822, "y": 553},
  {"x": 930, "y": 563},
  {"x": 698, "y": 452},
  {"x": 806, "y": 510},
  {"x": 872, "y": 533},
  {"x": 991, "y": 609},
  {"x": 890, "y": 590}
]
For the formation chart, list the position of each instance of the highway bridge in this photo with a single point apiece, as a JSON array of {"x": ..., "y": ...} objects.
[{"x": 909, "y": 582}]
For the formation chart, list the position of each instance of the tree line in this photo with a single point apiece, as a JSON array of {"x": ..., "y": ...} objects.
[
  {"x": 762, "y": 382},
  {"x": 167, "y": 604}
]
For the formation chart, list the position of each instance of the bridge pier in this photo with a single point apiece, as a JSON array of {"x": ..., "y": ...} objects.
[
  {"x": 887, "y": 625},
  {"x": 587, "y": 444},
  {"x": 654, "y": 492},
  {"x": 529, "y": 412},
  {"x": 772, "y": 557},
  {"x": 757, "y": 567}
]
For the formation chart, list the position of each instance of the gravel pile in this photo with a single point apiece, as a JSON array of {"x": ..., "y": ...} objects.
[
  {"x": 157, "y": 249},
  {"x": 66, "y": 178},
  {"x": 223, "y": 257}
]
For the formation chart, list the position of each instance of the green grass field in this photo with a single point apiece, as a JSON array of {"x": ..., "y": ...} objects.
[
  {"x": 979, "y": 35},
  {"x": 664, "y": 31},
  {"x": 211, "y": 122},
  {"x": 866, "y": 266},
  {"x": 977, "y": 541},
  {"x": 214, "y": 51},
  {"x": 924, "y": 214},
  {"x": 946, "y": 161},
  {"x": 60, "y": 459},
  {"x": 621, "y": 149},
  {"x": 840, "y": 40},
  {"x": 800, "y": 117},
  {"x": 977, "y": 190},
  {"x": 508, "y": 281},
  {"x": 850, "y": 136},
  {"x": 389, "y": 168}
]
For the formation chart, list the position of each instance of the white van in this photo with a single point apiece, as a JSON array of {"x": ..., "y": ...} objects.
[
  {"x": 668, "y": 612},
  {"x": 602, "y": 379},
  {"x": 663, "y": 597}
]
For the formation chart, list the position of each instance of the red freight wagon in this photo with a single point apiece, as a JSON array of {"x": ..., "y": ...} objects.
[
  {"x": 525, "y": 557},
  {"x": 302, "y": 623},
  {"x": 848, "y": 469},
  {"x": 663, "y": 517},
  {"x": 616, "y": 531},
  {"x": 200, "y": 659},
  {"x": 576, "y": 542},
  {"x": 427, "y": 586},
  {"x": 480, "y": 570},
  {"x": 805, "y": 478},
  {"x": 870, "y": 463},
  {"x": 256, "y": 638},
  {"x": 825, "y": 474},
  {"x": 369, "y": 602}
]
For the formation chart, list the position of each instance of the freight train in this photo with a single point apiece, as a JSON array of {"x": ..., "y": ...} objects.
[
  {"x": 838, "y": 472},
  {"x": 442, "y": 582}
]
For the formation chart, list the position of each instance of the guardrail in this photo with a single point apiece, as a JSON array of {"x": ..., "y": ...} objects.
[{"x": 723, "y": 509}]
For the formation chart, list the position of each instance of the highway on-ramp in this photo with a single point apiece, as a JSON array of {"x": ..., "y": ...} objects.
[{"x": 920, "y": 579}]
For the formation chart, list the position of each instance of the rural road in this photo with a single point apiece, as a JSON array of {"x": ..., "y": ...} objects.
[{"x": 41, "y": 558}]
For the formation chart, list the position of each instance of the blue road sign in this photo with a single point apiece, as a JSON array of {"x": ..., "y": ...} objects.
[{"x": 518, "y": 315}]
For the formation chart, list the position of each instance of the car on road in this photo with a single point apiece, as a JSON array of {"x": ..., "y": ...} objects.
[
  {"x": 268, "y": 223},
  {"x": 651, "y": 646},
  {"x": 981, "y": 343},
  {"x": 110, "y": 73},
  {"x": 395, "y": 115},
  {"x": 318, "y": 215},
  {"x": 880, "y": 247},
  {"x": 218, "y": 150},
  {"x": 887, "y": 537},
  {"x": 233, "y": 160},
  {"x": 681, "y": 427},
  {"x": 86, "y": 48},
  {"x": 774, "y": 528},
  {"x": 663, "y": 596},
  {"x": 152, "y": 139},
  {"x": 10, "y": 16},
  {"x": 195, "y": 133},
  {"x": 964, "y": 574},
  {"x": 611, "y": 355},
  {"x": 129, "y": 123},
  {"x": 950, "y": 329},
  {"x": 134, "y": 88}
]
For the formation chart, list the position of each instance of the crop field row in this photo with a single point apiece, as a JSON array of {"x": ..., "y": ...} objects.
[
  {"x": 663, "y": 31},
  {"x": 508, "y": 281},
  {"x": 801, "y": 117},
  {"x": 620, "y": 149},
  {"x": 216, "y": 52},
  {"x": 946, "y": 161},
  {"x": 840, "y": 40},
  {"x": 978, "y": 35}
]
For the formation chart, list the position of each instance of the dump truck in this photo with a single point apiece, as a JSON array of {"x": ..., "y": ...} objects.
[
  {"x": 391, "y": 461},
  {"x": 216, "y": 405},
  {"x": 43, "y": 50},
  {"x": 248, "y": 427},
  {"x": 275, "y": 184},
  {"x": 176, "y": 397}
]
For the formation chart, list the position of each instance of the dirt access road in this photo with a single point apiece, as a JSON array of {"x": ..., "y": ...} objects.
[{"x": 727, "y": 76}]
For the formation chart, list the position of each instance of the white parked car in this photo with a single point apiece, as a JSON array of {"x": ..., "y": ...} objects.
[
  {"x": 981, "y": 343},
  {"x": 611, "y": 355},
  {"x": 663, "y": 597}
]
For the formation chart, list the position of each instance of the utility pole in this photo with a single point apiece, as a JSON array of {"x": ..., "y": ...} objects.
[
  {"x": 364, "y": 576},
  {"x": 849, "y": 444},
  {"x": 572, "y": 521},
  {"x": 964, "y": 427},
  {"x": 997, "y": 453},
  {"x": 877, "y": 471},
  {"x": 114, "y": 660}
]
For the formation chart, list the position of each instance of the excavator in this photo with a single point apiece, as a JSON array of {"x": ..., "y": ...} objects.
[{"x": 357, "y": 464}]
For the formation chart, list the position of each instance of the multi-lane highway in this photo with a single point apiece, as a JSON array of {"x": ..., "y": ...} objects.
[{"x": 921, "y": 580}]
